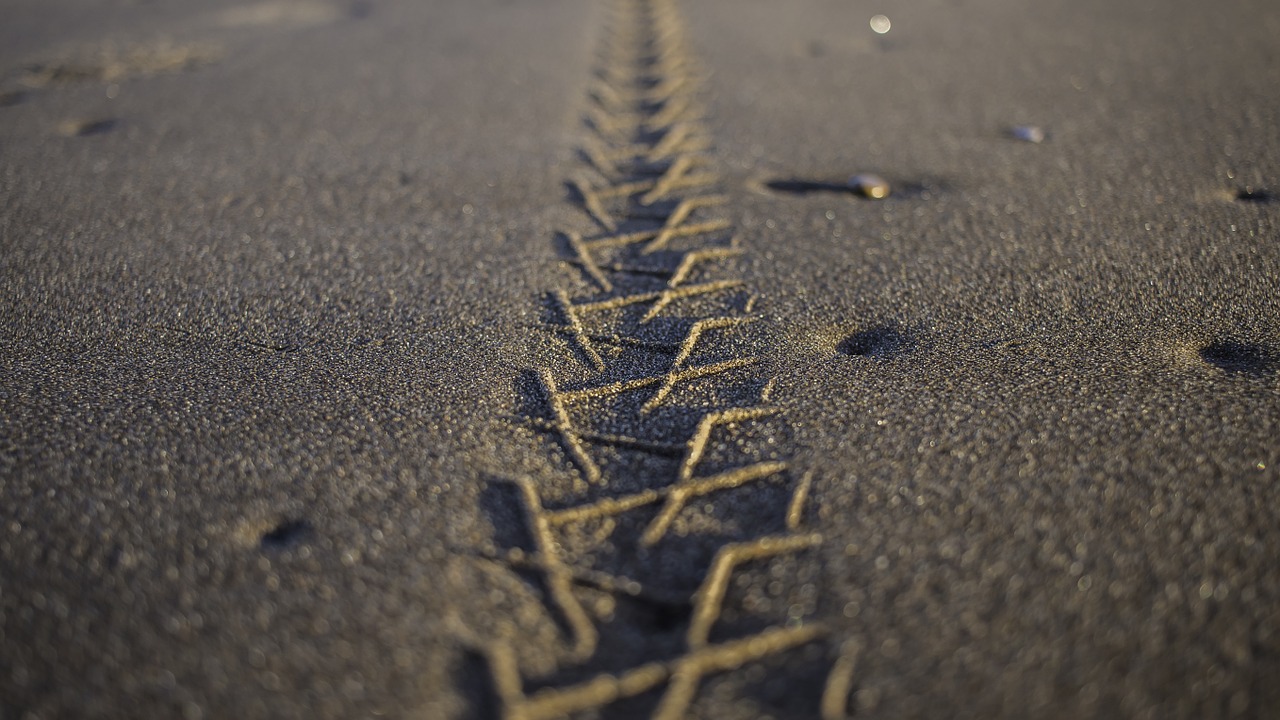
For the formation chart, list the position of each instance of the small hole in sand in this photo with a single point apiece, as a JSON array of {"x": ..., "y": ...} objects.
[
  {"x": 881, "y": 343},
  {"x": 286, "y": 535},
  {"x": 1238, "y": 357}
]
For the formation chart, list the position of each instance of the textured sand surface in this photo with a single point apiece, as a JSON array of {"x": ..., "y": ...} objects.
[{"x": 497, "y": 358}]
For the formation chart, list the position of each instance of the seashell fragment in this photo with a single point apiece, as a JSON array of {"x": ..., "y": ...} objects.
[{"x": 869, "y": 186}]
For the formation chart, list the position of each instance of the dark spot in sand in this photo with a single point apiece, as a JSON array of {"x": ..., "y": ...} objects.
[
  {"x": 1255, "y": 195},
  {"x": 797, "y": 186},
  {"x": 501, "y": 504},
  {"x": 667, "y": 618},
  {"x": 11, "y": 98},
  {"x": 881, "y": 343},
  {"x": 473, "y": 677},
  {"x": 1239, "y": 357},
  {"x": 85, "y": 128},
  {"x": 863, "y": 185},
  {"x": 360, "y": 9},
  {"x": 285, "y": 535}
]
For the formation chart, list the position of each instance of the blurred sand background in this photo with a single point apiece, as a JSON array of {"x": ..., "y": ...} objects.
[{"x": 273, "y": 276}]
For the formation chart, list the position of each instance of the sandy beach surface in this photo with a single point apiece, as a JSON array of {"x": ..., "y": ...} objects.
[{"x": 526, "y": 360}]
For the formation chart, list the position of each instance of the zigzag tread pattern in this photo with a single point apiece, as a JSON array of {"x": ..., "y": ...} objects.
[{"x": 655, "y": 328}]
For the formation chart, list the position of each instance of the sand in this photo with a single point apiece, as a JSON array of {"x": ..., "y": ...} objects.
[{"x": 499, "y": 359}]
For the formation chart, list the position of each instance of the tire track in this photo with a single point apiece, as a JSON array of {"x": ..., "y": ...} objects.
[{"x": 658, "y": 411}]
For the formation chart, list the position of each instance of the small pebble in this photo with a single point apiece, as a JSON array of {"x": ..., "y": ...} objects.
[
  {"x": 1028, "y": 133},
  {"x": 869, "y": 186}
]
